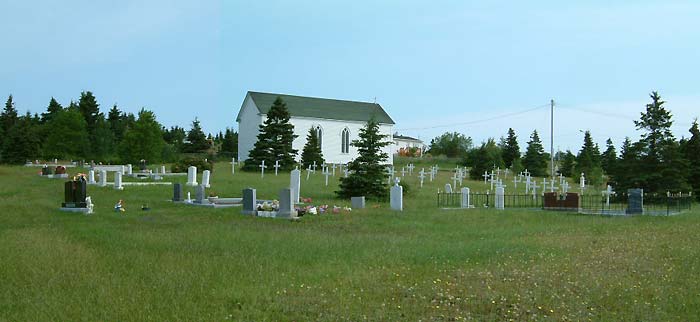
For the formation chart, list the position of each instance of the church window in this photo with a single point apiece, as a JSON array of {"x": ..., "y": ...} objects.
[
  {"x": 345, "y": 141},
  {"x": 319, "y": 135}
]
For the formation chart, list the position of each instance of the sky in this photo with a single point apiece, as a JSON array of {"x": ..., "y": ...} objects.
[{"x": 474, "y": 67}]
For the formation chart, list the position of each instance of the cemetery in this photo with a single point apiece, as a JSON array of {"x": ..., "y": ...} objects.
[{"x": 279, "y": 224}]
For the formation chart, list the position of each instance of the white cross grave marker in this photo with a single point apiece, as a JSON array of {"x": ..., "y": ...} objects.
[
  {"x": 262, "y": 167},
  {"x": 276, "y": 166},
  {"x": 421, "y": 176},
  {"x": 607, "y": 192}
]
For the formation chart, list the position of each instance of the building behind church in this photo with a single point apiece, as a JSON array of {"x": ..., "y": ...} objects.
[{"x": 337, "y": 123}]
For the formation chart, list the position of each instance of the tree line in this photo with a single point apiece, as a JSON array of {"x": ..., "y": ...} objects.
[
  {"x": 657, "y": 162},
  {"x": 80, "y": 131}
]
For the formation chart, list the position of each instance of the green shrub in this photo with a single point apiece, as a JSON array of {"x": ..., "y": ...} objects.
[{"x": 201, "y": 164}]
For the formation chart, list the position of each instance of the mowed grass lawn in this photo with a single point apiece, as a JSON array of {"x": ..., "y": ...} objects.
[{"x": 184, "y": 263}]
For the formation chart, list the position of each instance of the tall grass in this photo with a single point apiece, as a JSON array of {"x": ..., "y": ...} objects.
[{"x": 178, "y": 262}]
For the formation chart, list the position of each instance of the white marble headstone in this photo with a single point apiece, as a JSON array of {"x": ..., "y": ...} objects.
[
  {"x": 192, "y": 176},
  {"x": 205, "y": 178}
]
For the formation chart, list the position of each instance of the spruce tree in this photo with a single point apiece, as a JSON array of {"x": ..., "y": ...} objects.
[
  {"x": 8, "y": 119},
  {"x": 588, "y": 161},
  {"x": 568, "y": 163},
  {"x": 51, "y": 110},
  {"x": 626, "y": 175},
  {"x": 691, "y": 149},
  {"x": 25, "y": 140},
  {"x": 115, "y": 119},
  {"x": 511, "y": 149},
  {"x": 608, "y": 159},
  {"x": 311, "y": 154},
  {"x": 368, "y": 175},
  {"x": 274, "y": 140},
  {"x": 534, "y": 160},
  {"x": 229, "y": 143},
  {"x": 660, "y": 154},
  {"x": 196, "y": 139}
]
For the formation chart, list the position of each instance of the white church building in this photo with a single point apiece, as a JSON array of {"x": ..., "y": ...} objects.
[{"x": 337, "y": 123}]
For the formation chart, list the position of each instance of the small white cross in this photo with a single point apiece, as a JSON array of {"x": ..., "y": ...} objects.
[
  {"x": 262, "y": 167},
  {"x": 277, "y": 166},
  {"x": 421, "y": 176}
]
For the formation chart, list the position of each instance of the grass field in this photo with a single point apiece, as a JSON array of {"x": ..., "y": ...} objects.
[{"x": 183, "y": 263}]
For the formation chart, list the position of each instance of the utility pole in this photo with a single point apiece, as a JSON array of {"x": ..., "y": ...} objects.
[{"x": 551, "y": 137}]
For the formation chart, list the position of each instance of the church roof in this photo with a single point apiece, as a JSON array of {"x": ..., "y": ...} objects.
[
  {"x": 406, "y": 138},
  {"x": 323, "y": 108}
]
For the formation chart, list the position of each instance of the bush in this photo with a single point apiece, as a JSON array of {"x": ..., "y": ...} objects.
[
  {"x": 406, "y": 188},
  {"x": 182, "y": 165}
]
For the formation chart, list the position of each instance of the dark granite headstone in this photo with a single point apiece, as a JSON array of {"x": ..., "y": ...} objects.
[
  {"x": 177, "y": 192},
  {"x": 45, "y": 171},
  {"x": 555, "y": 201},
  {"x": 249, "y": 202},
  {"x": 635, "y": 202},
  {"x": 60, "y": 170},
  {"x": 75, "y": 193},
  {"x": 199, "y": 194}
]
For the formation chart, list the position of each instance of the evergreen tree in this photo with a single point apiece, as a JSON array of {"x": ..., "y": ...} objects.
[
  {"x": 511, "y": 149},
  {"x": 117, "y": 123},
  {"x": 534, "y": 160},
  {"x": 53, "y": 109},
  {"x": 656, "y": 171},
  {"x": 229, "y": 143},
  {"x": 274, "y": 140},
  {"x": 367, "y": 175},
  {"x": 196, "y": 139},
  {"x": 104, "y": 143},
  {"x": 67, "y": 136},
  {"x": 312, "y": 151},
  {"x": 25, "y": 140},
  {"x": 88, "y": 107},
  {"x": 588, "y": 161},
  {"x": 175, "y": 137},
  {"x": 609, "y": 158},
  {"x": 626, "y": 175},
  {"x": 691, "y": 149},
  {"x": 144, "y": 140},
  {"x": 568, "y": 164},
  {"x": 8, "y": 119},
  {"x": 484, "y": 159}
]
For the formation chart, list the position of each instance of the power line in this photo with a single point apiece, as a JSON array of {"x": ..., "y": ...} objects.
[{"x": 476, "y": 121}]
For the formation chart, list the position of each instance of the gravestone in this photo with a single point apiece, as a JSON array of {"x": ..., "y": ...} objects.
[
  {"x": 75, "y": 193},
  {"x": 118, "y": 181},
  {"x": 192, "y": 176},
  {"x": 448, "y": 188},
  {"x": 500, "y": 198},
  {"x": 295, "y": 185},
  {"x": 635, "y": 201},
  {"x": 205, "y": 178},
  {"x": 233, "y": 165},
  {"x": 91, "y": 177},
  {"x": 249, "y": 202},
  {"x": 568, "y": 202},
  {"x": 103, "y": 178},
  {"x": 464, "y": 201},
  {"x": 177, "y": 192},
  {"x": 162, "y": 169},
  {"x": 357, "y": 202},
  {"x": 60, "y": 170},
  {"x": 286, "y": 207},
  {"x": 45, "y": 171},
  {"x": 396, "y": 194},
  {"x": 199, "y": 192},
  {"x": 129, "y": 170}
]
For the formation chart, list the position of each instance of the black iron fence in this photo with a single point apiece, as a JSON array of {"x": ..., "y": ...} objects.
[
  {"x": 654, "y": 204},
  {"x": 487, "y": 200}
]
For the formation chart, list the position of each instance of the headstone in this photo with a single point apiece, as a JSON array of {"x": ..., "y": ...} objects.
[
  {"x": 277, "y": 166},
  {"x": 635, "y": 202},
  {"x": 129, "y": 170},
  {"x": 333, "y": 168},
  {"x": 326, "y": 173},
  {"x": 118, "y": 181},
  {"x": 177, "y": 192},
  {"x": 464, "y": 201},
  {"x": 60, "y": 170},
  {"x": 199, "y": 192},
  {"x": 582, "y": 183},
  {"x": 486, "y": 176},
  {"x": 91, "y": 177},
  {"x": 295, "y": 185},
  {"x": 103, "y": 178},
  {"x": 192, "y": 176},
  {"x": 162, "y": 169},
  {"x": 308, "y": 172},
  {"x": 286, "y": 206},
  {"x": 233, "y": 165},
  {"x": 396, "y": 194},
  {"x": 75, "y": 193},
  {"x": 607, "y": 192},
  {"x": 357, "y": 202},
  {"x": 500, "y": 198},
  {"x": 448, "y": 188},
  {"x": 45, "y": 171},
  {"x": 249, "y": 202},
  {"x": 205, "y": 178},
  {"x": 421, "y": 176}
]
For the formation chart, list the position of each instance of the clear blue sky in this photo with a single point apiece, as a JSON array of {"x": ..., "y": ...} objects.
[{"x": 428, "y": 63}]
